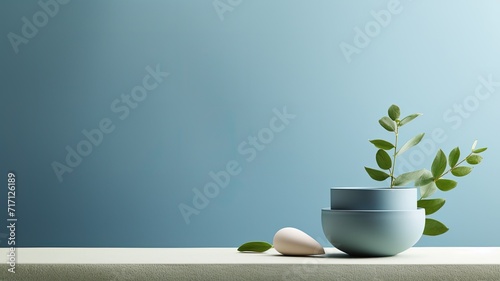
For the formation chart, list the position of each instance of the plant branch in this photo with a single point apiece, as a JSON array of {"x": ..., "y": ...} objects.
[
  {"x": 396, "y": 131},
  {"x": 456, "y": 165}
]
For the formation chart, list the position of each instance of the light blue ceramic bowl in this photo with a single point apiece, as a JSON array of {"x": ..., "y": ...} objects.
[{"x": 373, "y": 232}]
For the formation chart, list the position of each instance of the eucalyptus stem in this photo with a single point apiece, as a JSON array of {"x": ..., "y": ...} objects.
[
  {"x": 396, "y": 131},
  {"x": 456, "y": 165},
  {"x": 428, "y": 181}
]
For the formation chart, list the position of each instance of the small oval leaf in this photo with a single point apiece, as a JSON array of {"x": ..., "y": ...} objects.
[
  {"x": 425, "y": 178},
  {"x": 474, "y": 159},
  {"x": 474, "y": 145},
  {"x": 461, "y": 171},
  {"x": 431, "y": 205},
  {"x": 376, "y": 174},
  {"x": 383, "y": 159},
  {"x": 382, "y": 144},
  {"x": 453, "y": 157},
  {"x": 394, "y": 112},
  {"x": 479, "y": 150},
  {"x": 411, "y": 143},
  {"x": 428, "y": 189},
  {"x": 434, "y": 227},
  {"x": 255, "y": 246},
  {"x": 409, "y": 118},
  {"x": 387, "y": 123},
  {"x": 446, "y": 184},
  {"x": 439, "y": 164},
  {"x": 408, "y": 177}
]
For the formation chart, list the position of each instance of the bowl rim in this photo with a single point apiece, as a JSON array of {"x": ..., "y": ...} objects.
[
  {"x": 418, "y": 209},
  {"x": 367, "y": 188}
]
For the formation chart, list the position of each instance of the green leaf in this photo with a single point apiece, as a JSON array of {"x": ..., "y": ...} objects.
[
  {"x": 426, "y": 184},
  {"x": 394, "y": 112},
  {"x": 376, "y": 174},
  {"x": 409, "y": 118},
  {"x": 445, "y": 184},
  {"x": 411, "y": 143},
  {"x": 387, "y": 123},
  {"x": 425, "y": 178},
  {"x": 474, "y": 145},
  {"x": 408, "y": 177},
  {"x": 255, "y": 246},
  {"x": 439, "y": 164},
  {"x": 434, "y": 227},
  {"x": 383, "y": 159},
  {"x": 382, "y": 144},
  {"x": 428, "y": 189},
  {"x": 474, "y": 159},
  {"x": 431, "y": 205},
  {"x": 461, "y": 171},
  {"x": 453, "y": 157},
  {"x": 479, "y": 150}
]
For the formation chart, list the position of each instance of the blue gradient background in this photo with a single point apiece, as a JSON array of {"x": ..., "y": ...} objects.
[{"x": 226, "y": 77}]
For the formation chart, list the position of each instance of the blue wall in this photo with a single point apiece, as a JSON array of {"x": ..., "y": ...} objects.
[{"x": 297, "y": 75}]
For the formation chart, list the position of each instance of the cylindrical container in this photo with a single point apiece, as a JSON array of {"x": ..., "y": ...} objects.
[{"x": 370, "y": 198}]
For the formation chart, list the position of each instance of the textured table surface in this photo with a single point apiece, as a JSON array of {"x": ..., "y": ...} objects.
[
  {"x": 416, "y": 255},
  {"x": 113, "y": 264}
]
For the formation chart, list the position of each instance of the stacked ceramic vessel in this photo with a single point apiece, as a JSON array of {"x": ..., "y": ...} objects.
[{"x": 373, "y": 221}]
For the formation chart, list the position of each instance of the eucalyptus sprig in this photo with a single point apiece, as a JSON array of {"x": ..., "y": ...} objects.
[{"x": 427, "y": 181}]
